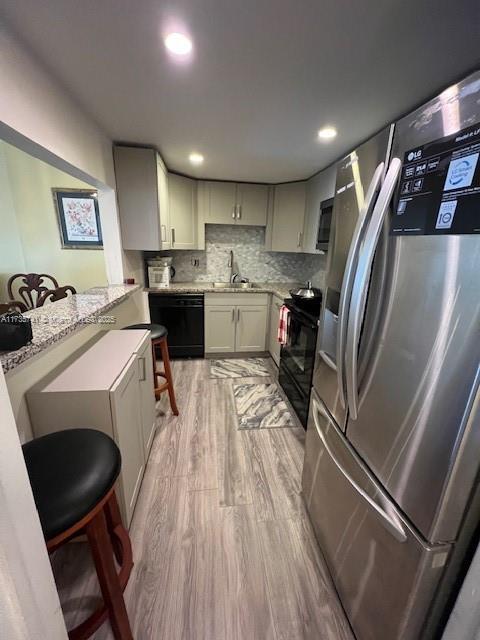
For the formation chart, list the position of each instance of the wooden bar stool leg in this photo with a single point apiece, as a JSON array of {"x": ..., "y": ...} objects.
[
  {"x": 102, "y": 553},
  {"x": 168, "y": 375},
  {"x": 154, "y": 360},
  {"x": 114, "y": 523}
]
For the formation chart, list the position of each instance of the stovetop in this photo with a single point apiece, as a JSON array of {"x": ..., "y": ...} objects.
[{"x": 312, "y": 315}]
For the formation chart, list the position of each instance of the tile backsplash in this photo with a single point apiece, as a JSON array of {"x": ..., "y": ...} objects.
[{"x": 250, "y": 259}]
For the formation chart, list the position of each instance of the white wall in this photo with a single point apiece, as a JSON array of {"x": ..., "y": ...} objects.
[
  {"x": 11, "y": 250},
  {"x": 33, "y": 105},
  {"x": 31, "y": 181},
  {"x": 38, "y": 116}
]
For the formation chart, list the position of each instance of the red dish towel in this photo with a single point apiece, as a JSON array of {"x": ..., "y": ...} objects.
[{"x": 283, "y": 322}]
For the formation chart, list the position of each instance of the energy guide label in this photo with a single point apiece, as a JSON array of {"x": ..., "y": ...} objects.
[{"x": 439, "y": 188}]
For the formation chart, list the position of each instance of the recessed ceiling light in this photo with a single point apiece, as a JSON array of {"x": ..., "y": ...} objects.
[
  {"x": 195, "y": 158},
  {"x": 327, "y": 133},
  {"x": 178, "y": 43}
]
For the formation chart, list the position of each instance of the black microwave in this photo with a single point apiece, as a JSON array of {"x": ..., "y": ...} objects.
[{"x": 324, "y": 224}]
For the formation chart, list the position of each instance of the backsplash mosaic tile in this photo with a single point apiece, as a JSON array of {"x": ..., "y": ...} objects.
[{"x": 250, "y": 259}]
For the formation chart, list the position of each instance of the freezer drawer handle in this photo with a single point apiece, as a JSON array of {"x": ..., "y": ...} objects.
[
  {"x": 361, "y": 283},
  {"x": 350, "y": 270},
  {"x": 393, "y": 527}
]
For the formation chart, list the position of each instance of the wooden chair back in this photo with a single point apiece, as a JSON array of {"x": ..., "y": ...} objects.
[
  {"x": 52, "y": 295},
  {"x": 29, "y": 287}
]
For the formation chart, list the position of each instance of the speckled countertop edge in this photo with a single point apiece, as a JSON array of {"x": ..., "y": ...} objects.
[
  {"x": 280, "y": 289},
  {"x": 55, "y": 321}
]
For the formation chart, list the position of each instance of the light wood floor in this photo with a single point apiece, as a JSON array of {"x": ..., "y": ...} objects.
[{"x": 223, "y": 548}]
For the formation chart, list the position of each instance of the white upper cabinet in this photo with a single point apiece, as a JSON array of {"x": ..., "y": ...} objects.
[
  {"x": 142, "y": 192},
  {"x": 221, "y": 202},
  {"x": 319, "y": 188},
  {"x": 182, "y": 194},
  {"x": 232, "y": 203},
  {"x": 287, "y": 218},
  {"x": 252, "y": 204}
]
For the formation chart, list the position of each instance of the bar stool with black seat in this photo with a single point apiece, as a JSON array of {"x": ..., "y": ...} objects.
[
  {"x": 72, "y": 474},
  {"x": 159, "y": 335}
]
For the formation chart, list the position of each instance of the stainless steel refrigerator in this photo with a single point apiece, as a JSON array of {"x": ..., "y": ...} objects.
[{"x": 393, "y": 441}]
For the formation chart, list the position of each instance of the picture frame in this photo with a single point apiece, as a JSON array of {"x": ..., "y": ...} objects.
[{"x": 78, "y": 218}]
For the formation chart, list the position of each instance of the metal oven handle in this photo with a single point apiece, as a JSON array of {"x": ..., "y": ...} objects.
[
  {"x": 393, "y": 526},
  {"x": 350, "y": 268},
  {"x": 361, "y": 284}
]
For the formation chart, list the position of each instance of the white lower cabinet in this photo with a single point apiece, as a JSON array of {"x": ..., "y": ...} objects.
[
  {"x": 235, "y": 323},
  {"x": 108, "y": 387},
  {"x": 251, "y": 325},
  {"x": 220, "y": 329},
  {"x": 274, "y": 346},
  {"x": 125, "y": 402},
  {"x": 145, "y": 364}
]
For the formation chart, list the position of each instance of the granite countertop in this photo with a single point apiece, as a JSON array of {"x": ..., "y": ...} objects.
[
  {"x": 280, "y": 289},
  {"x": 54, "y": 321}
]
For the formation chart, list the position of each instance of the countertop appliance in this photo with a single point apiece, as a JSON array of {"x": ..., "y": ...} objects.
[
  {"x": 297, "y": 357},
  {"x": 183, "y": 316},
  {"x": 393, "y": 440},
  {"x": 160, "y": 271}
]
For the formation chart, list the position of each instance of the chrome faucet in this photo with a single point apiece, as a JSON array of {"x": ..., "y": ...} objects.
[{"x": 230, "y": 264}]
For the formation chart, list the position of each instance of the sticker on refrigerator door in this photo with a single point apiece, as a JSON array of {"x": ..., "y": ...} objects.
[
  {"x": 445, "y": 214},
  {"x": 402, "y": 205},
  {"x": 460, "y": 172},
  {"x": 439, "y": 191}
]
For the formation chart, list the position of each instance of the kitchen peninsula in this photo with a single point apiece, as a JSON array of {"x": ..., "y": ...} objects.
[{"x": 61, "y": 329}]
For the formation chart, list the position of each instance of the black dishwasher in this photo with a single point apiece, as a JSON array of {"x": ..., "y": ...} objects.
[{"x": 182, "y": 315}]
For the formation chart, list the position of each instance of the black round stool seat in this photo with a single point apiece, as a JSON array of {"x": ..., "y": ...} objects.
[
  {"x": 70, "y": 472},
  {"x": 158, "y": 330}
]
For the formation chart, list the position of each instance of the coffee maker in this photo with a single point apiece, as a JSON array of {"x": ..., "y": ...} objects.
[{"x": 160, "y": 272}]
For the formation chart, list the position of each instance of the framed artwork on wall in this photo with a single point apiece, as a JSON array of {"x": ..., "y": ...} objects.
[{"x": 78, "y": 218}]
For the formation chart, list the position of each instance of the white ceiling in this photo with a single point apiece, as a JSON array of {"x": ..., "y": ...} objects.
[{"x": 265, "y": 76}]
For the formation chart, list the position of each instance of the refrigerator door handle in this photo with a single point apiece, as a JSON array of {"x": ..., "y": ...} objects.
[
  {"x": 393, "y": 526},
  {"x": 349, "y": 275},
  {"x": 361, "y": 282}
]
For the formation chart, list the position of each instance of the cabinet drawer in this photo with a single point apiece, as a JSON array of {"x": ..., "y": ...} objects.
[{"x": 236, "y": 299}]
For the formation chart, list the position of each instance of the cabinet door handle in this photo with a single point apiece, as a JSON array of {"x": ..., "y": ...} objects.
[
  {"x": 239, "y": 211},
  {"x": 234, "y": 211},
  {"x": 173, "y": 236},
  {"x": 299, "y": 243},
  {"x": 233, "y": 314},
  {"x": 143, "y": 377},
  {"x": 238, "y": 314},
  {"x": 164, "y": 233}
]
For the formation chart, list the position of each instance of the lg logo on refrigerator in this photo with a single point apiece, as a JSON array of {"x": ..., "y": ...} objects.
[{"x": 414, "y": 155}]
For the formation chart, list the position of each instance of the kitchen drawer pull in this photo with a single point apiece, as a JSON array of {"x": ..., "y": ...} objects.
[
  {"x": 238, "y": 315},
  {"x": 388, "y": 522},
  {"x": 233, "y": 314}
]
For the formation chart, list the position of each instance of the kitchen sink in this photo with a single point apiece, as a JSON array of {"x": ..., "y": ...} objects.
[{"x": 234, "y": 285}]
